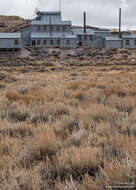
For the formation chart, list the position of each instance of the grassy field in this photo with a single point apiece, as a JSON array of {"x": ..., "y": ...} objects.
[{"x": 68, "y": 123}]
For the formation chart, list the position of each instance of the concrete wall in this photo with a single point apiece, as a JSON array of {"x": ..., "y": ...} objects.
[
  {"x": 113, "y": 43},
  {"x": 132, "y": 43},
  {"x": 26, "y": 36},
  {"x": 10, "y": 43},
  {"x": 42, "y": 29}
]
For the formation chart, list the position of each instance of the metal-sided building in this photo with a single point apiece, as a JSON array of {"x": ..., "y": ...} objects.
[
  {"x": 10, "y": 41},
  {"x": 127, "y": 41},
  {"x": 49, "y": 30},
  {"x": 113, "y": 42}
]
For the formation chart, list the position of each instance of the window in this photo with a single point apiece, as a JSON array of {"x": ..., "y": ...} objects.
[
  {"x": 68, "y": 42},
  {"x": 135, "y": 42},
  {"x": 58, "y": 29},
  {"x": 80, "y": 37},
  {"x": 16, "y": 42},
  {"x": 64, "y": 28},
  {"x": 52, "y": 42},
  {"x": 44, "y": 42},
  {"x": 58, "y": 42},
  {"x": 127, "y": 42},
  {"x": 52, "y": 28},
  {"x": 91, "y": 37},
  {"x": 45, "y": 28},
  {"x": 33, "y": 43},
  {"x": 38, "y": 28},
  {"x": 85, "y": 37},
  {"x": 38, "y": 42}
]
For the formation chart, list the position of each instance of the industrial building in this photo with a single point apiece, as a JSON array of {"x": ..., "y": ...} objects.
[
  {"x": 48, "y": 29},
  {"x": 10, "y": 41}
]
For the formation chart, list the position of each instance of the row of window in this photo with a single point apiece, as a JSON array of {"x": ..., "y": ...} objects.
[
  {"x": 53, "y": 28},
  {"x": 50, "y": 42},
  {"x": 85, "y": 37}
]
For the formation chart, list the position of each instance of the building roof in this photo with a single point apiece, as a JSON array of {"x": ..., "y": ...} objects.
[
  {"x": 80, "y": 31},
  {"x": 131, "y": 36},
  {"x": 10, "y": 35},
  {"x": 49, "y": 12},
  {"x": 110, "y": 38},
  {"x": 54, "y": 35},
  {"x": 53, "y": 22},
  {"x": 102, "y": 31}
]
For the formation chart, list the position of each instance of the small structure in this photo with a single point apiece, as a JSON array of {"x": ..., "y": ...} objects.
[
  {"x": 10, "y": 41},
  {"x": 113, "y": 42},
  {"x": 129, "y": 41}
]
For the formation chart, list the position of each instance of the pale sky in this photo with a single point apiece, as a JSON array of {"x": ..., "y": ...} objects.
[{"x": 102, "y": 13}]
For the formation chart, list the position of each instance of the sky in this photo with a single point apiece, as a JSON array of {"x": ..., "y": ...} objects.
[{"x": 101, "y": 13}]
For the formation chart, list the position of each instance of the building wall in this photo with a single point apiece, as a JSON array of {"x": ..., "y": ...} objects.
[
  {"x": 62, "y": 43},
  {"x": 10, "y": 43},
  {"x": 72, "y": 43},
  {"x": 48, "y": 42},
  {"x": 89, "y": 40},
  {"x": 97, "y": 42},
  {"x": 26, "y": 36},
  {"x": 113, "y": 43},
  {"x": 46, "y": 16},
  {"x": 40, "y": 28},
  {"x": 132, "y": 43}
]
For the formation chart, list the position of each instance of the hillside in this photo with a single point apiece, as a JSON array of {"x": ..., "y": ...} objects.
[
  {"x": 68, "y": 119},
  {"x": 7, "y": 22}
]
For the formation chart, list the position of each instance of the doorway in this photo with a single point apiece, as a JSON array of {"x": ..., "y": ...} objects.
[
  {"x": 33, "y": 43},
  {"x": 80, "y": 43}
]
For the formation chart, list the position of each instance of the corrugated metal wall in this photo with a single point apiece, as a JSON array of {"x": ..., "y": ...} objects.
[
  {"x": 113, "y": 43},
  {"x": 10, "y": 43}
]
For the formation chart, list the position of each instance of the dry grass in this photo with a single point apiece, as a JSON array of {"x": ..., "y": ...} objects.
[{"x": 67, "y": 127}]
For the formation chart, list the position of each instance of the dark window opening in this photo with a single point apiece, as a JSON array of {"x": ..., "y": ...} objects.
[
  {"x": 52, "y": 28},
  {"x": 58, "y": 42},
  {"x": 16, "y": 42},
  {"x": 91, "y": 37},
  {"x": 38, "y": 42},
  {"x": 44, "y": 42},
  {"x": 135, "y": 42},
  {"x": 127, "y": 42},
  {"x": 33, "y": 42},
  {"x": 45, "y": 28},
  {"x": 52, "y": 42},
  {"x": 85, "y": 37},
  {"x": 68, "y": 42},
  {"x": 58, "y": 28},
  {"x": 38, "y": 28},
  {"x": 80, "y": 37},
  {"x": 64, "y": 28}
]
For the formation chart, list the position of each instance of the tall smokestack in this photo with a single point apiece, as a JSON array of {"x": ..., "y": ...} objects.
[
  {"x": 120, "y": 23},
  {"x": 84, "y": 22}
]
